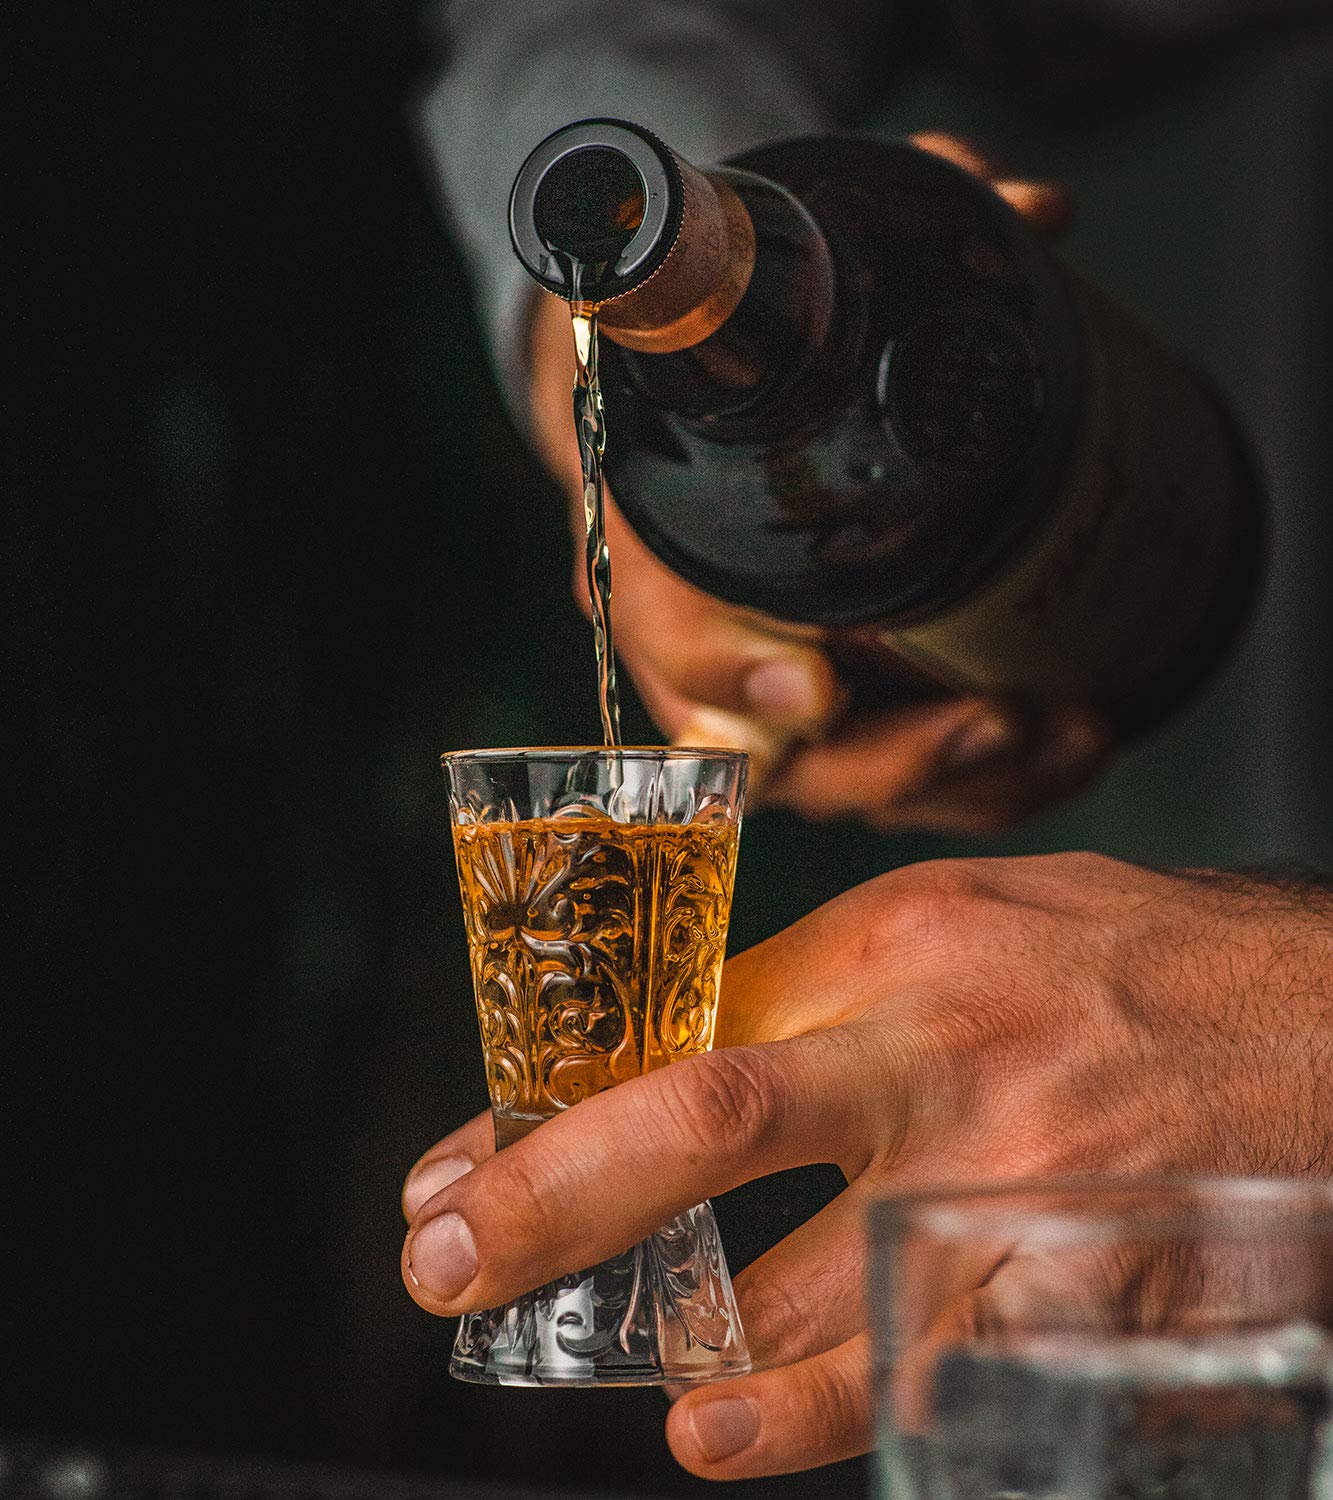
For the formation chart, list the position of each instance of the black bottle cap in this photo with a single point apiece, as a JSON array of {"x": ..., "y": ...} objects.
[{"x": 603, "y": 194}]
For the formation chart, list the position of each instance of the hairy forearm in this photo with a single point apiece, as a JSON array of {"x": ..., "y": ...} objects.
[{"x": 1293, "y": 889}]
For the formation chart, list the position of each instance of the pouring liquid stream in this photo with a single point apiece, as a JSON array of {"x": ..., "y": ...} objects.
[{"x": 590, "y": 427}]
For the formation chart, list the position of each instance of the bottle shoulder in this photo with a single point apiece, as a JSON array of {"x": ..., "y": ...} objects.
[{"x": 931, "y": 437}]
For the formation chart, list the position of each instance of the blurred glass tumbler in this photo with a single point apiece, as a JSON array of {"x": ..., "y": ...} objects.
[
  {"x": 1163, "y": 1339},
  {"x": 596, "y": 889}
]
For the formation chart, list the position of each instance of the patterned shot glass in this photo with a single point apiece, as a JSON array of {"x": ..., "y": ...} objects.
[{"x": 596, "y": 890}]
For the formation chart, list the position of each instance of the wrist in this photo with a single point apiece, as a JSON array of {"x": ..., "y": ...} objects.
[{"x": 1274, "y": 979}]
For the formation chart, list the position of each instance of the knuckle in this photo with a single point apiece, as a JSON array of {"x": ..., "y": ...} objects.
[
  {"x": 776, "y": 1318},
  {"x": 950, "y": 880},
  {"x": 521, "y": 1204},
  {"x": 730, "y": 1097},
  {"x": 920, "y": 903},
  {"x": 834, "y": 1406},
  {"x": 1082, "y": 864}
]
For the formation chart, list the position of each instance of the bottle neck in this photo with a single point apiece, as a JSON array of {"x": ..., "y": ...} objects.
[
  {"x": 701, "y": 282},
  {"x": 742, "y": 343},
  {"x": 718, "y": 286}
]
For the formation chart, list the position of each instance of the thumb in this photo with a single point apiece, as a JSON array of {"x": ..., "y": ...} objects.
[{"x": 787, "y": 688}]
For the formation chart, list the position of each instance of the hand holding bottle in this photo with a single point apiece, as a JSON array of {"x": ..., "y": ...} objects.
[{"x": 711, "y": 673}]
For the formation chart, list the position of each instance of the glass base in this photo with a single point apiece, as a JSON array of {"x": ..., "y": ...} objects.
[{"x": 663, "y": 1312}]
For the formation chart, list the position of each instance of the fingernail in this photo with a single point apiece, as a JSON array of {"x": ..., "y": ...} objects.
[
  {"x": 724, "y": 1428},
  {"x": 979, "y": 741},
  {"x": 442, "y": 1255},
  {"x": 430, "y": 1179},
  {"x": 785, "y": 691}
]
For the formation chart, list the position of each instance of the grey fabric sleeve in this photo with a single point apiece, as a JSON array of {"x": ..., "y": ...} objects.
[{"x": 710, "y": 79}]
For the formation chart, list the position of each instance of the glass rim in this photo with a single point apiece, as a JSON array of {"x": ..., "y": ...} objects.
[
  {"x": 571, "y": 753},
  {"x": 1070, "y": 1211}
]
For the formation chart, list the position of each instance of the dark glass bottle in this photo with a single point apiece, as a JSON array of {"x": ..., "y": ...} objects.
[{"x": 848, "y": 387}]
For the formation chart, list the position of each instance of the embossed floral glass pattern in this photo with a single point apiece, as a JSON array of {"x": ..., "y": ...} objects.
[{"x": 596, "y": 889}]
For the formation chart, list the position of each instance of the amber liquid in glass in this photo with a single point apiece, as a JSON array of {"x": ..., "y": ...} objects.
[{"x": 596, "y": 951}]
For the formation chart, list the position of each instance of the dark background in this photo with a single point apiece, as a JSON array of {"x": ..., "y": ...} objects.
[{"x": 273, "y": 547}]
